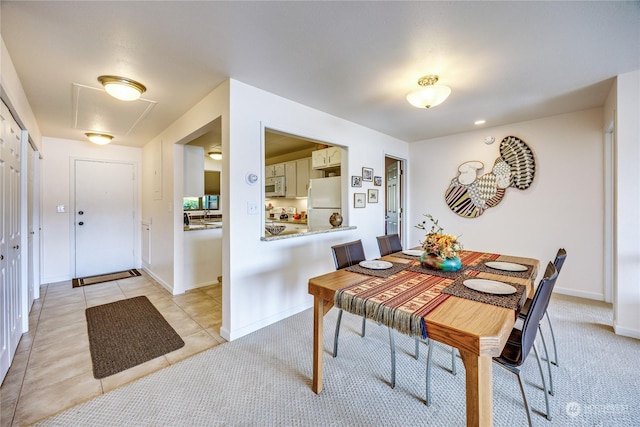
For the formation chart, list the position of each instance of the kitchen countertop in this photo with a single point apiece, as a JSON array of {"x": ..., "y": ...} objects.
[
  {"x": 288, "y": 234},
  {"x": 197, "y": 225},
  {"x": 286, "y": 221}
]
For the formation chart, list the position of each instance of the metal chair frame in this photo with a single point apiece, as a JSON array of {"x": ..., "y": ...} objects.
[{"x": 527, "y": 337}]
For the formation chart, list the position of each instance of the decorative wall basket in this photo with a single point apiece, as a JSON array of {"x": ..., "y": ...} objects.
[{"x": 469, "y": 195}]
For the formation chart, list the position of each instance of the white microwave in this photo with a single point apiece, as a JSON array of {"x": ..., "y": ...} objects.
[{"x": 274, "y": 187}]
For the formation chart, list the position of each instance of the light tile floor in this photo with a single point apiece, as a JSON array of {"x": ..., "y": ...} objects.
[{"x": 52, "y": 368}]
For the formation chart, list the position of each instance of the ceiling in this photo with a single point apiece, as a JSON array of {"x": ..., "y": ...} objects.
[{"x": 504, "y": 61}]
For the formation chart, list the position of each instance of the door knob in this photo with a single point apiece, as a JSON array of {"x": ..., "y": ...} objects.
[
  {"x": 81, "y": 223},
  {"x": 16, "y": 247},
  {"x": 81, "y": 213},
  {"x": 1, "y": 257}
]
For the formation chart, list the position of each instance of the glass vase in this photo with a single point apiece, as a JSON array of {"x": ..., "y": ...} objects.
[{"x": 444, "y": 264}]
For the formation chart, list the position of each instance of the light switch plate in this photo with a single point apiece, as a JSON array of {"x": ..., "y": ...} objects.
[
  {"x": 61, "y": 209},
  {"x": 252, "y": 208}
]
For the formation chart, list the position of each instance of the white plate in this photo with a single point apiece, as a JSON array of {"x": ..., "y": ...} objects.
[
  {"x": 490, "y": 286},
  {"x": 506, "y": 266},
  {"x": 376, "y": 265},
  {"x": 413, "y": 252}
]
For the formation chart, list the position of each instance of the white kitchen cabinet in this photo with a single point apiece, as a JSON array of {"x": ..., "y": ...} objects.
[
  {"x": 193, "y": 171},
  {"x": 291, "y": 179},
  {"x": 304, "y": 173},
  {"x": 326, "y": 158},
  {"x": 279, "y": 169}
]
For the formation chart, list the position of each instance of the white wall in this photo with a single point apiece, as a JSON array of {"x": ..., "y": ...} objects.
[
  {"x": 263, "y": 282},
  {"x": 15, "y": 96},
  {"x": 268, "y": 281},
  {"x": 57, "y": 189},
  {"x": 163, "y": 163},
  {"x": 562, "y": 208},
  {"x": 626, "y": 108}
]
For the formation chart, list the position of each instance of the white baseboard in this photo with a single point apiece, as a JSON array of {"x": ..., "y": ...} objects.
[
  {"x": 626, "y": 332},
  {"x": 238, "y": 333},
  {"x": 159, "y": 280},
  {"x": 575, "y": 293},
  {"x": 55, "y": 279}
]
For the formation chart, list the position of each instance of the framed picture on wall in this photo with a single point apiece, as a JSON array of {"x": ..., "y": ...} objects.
[
  {"x": 359, "y": 200},
  {"x": 372, "y": 195},
  {"x": 377, "y": 181},
  {"x": 367, "y": 174},
  {"x": 356, "y": 181}
]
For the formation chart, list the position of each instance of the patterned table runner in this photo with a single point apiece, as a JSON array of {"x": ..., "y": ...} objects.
[{"x": 400, "y": 302}]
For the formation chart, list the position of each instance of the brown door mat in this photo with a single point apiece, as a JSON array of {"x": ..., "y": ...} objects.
[{"x": 101, "y": 278}]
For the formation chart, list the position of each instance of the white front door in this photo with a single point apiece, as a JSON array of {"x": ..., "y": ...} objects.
[
  {"x": 10, "y": 224},
  {"x": 104, "y": 217}
]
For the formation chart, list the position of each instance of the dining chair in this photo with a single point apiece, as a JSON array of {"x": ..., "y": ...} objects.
[
  {"x": 389, "y": 244},
  {"x": 521, "y": 341},
  {"x": 557, "y": 263},
  {"x": 345, "y": 255}
]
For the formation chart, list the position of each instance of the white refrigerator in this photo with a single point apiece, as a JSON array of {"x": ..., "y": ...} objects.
[{"x": 325, "y": 198}]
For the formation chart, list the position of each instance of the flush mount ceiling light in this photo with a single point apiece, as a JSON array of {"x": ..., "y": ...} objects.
[
  {"x": 99, "y": 138},
  {"x": 122, "y": 88},
  {"x": 215, "y": 155},
  {"x": 430, "y": 95}
]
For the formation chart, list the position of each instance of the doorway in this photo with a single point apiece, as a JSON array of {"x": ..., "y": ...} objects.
[
  {"x": 393, "y": 195},
  {"x": 104, "y": 215}
]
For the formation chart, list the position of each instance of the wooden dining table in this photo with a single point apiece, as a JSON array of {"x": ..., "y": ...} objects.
[{"x": 478, "y": 330}]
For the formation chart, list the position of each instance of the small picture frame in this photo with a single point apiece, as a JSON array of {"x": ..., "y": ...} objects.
[
  {"x": 377, "y": 181},
  {"x": 372, "y": 195},
  {"x": 367, "y": 174},
  {"x": 359, "y": 200},
  {"x": 356, "y": 181}
]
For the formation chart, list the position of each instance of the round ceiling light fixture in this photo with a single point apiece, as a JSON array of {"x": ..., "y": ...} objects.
[
  {"x": 430, "y": 95},
  {"x": 215, "y": 155},
  {"x": 122, "y": 88},
  {"x": 99, "y": 138}
]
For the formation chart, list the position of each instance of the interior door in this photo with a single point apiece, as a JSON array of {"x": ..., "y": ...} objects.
[
  {"x": 10, "y": 237},
  {"x": 104, "y": 217},
  {"x": 392, "y": 214}
]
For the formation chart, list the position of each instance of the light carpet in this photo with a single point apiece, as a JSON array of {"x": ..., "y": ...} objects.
[{"x": 265, "y": 379}]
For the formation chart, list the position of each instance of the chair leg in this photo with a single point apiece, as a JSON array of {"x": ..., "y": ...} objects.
[
  {"x": 428, "y": 380},
  {"x": 417, "y": 354},
  {"x": 392, "y": 346},
  {"x": 553, "y": 339},
  {"x": 524, "y": 395},
  {"x": 454, "y": 371},
  {"x": 364, "y": 324},
  {"x": 544, "y": 383},
  {"x": 546, "y": 353},
  {"x": 337, "y": 333}
]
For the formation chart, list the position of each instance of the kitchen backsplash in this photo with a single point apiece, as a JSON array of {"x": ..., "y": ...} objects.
[{"x": 298, "y": 205}]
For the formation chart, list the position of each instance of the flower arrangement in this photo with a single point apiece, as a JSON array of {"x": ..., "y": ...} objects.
[{"x": 438, "y": 243}]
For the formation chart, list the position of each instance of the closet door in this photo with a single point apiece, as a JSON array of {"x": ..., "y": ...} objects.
[{"x": 10, "y": 262}]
